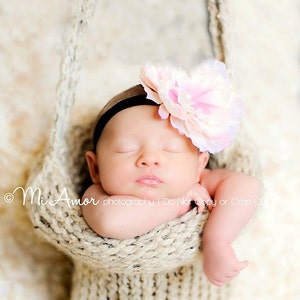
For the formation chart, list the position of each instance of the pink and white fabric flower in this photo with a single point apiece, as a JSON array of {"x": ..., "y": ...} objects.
[{"x": 201, "y": 105}]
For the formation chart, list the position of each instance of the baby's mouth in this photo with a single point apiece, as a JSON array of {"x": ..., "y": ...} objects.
[{"x": 149, "y": 180}]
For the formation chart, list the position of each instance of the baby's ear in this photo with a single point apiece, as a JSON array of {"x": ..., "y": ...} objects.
[
  {"x": 202, "y": 161},
  {"x": 92, "y": 163}
]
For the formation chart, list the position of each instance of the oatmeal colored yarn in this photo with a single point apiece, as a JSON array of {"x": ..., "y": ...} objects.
[{"x": 162, "y": 264}]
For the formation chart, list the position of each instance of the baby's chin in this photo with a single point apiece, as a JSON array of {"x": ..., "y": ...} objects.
[{"x": 150, "y": 194}]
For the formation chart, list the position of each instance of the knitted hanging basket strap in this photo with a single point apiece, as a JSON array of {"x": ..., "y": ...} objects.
[{"x": 162, "y": 264}]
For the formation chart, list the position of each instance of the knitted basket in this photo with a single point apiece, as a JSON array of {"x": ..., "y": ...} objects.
[{"x": 162, "y": 264}]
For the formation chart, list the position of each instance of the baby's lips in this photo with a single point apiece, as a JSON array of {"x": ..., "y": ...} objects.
[{"x": 149, "y": 180}]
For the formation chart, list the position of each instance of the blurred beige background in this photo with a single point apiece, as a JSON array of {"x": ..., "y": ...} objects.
[{"x": 264, "y": 50}]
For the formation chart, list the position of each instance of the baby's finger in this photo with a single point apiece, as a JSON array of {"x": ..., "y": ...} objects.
[
  {"x": 218, "y": 283},
  {"x": 200, "y": 208},
  {"x": 209, "y": 203},
  {"x": 243, "y": 265}
]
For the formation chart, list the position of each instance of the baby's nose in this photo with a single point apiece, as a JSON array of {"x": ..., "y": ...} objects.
[{"x": 149, "y": 158}]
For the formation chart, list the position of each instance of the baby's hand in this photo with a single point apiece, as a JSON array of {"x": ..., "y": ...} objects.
[
  {"x": 220, "y": 264},
  {"x": 200, "y": 195},
  {"x": 197, "y": 193}
]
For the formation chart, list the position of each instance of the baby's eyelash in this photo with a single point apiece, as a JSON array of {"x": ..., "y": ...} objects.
[{"x": 126, "y": 149}]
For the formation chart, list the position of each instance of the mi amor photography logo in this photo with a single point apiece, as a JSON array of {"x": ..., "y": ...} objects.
[{"x": 35, "y": 195}]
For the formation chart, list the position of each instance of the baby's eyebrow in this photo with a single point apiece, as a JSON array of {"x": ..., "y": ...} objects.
[{"x": 124, "y": 139}]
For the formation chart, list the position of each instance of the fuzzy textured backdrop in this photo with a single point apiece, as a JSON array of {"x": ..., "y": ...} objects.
[{"x": 264, "y": 50}]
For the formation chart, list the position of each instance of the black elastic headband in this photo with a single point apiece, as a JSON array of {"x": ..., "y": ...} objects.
[{"x": 123, "y": 104}]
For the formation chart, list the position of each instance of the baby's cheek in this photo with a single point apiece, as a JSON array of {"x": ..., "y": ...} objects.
[
  {"x": 109, "y": 184},
  {"x": 116, "y": 185}
]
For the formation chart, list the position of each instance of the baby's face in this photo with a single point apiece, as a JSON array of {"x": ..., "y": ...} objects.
[{"x": 140, "y": 154}]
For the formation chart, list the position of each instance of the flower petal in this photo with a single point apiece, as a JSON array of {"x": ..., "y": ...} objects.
[{"x": 202, "y": 105}]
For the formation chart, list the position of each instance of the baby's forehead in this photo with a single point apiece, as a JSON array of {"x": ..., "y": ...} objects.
[
  {"x": 141, "y": 123},
  {"x": 116, "y": 106}
]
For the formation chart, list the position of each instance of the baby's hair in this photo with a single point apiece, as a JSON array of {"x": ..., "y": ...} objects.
[
  {"x": 131, "y": 92},
  {"x": 133, "y": 96}
]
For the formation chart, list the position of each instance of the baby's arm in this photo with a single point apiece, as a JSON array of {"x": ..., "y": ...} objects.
[
  {"x": 235, "y": 196},
  {"x": 122, "y": 216}
]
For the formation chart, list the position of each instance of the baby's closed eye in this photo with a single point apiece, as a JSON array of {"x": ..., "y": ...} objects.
[{"x": 126, "y": 147}]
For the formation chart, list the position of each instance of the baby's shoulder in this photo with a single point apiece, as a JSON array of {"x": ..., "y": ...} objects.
[
  {"x": 92, "y": 190},
  {"x": 210, "y": 179}
]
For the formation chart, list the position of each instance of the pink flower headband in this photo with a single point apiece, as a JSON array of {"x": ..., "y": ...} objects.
[{"x": 202, "y": 105}]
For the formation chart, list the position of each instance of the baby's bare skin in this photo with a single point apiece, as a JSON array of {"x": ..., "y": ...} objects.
[{"x": 152, "y": 161}]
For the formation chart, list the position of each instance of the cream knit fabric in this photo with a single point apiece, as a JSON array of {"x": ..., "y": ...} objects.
[{"x": 162, "y": 264}]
